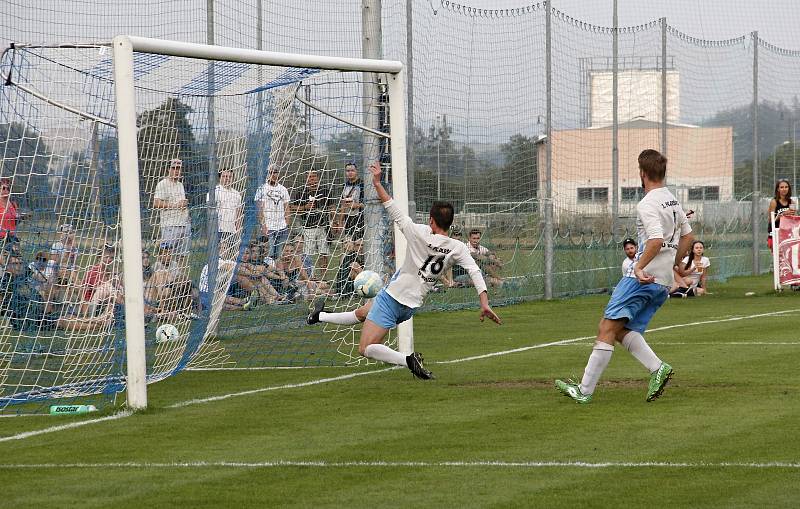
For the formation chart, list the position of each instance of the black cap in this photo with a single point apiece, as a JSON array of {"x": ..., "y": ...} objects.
[{"x": 628, "y": 240}]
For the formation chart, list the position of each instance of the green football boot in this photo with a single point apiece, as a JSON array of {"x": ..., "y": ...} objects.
[
  {"x": 571, "y": 389},
  {"x": 658, "y": 380}
]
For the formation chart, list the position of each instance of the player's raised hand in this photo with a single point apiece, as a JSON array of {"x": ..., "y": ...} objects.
[
  {"x": 375, "y": 169},
  {"x": 486, "y": 312}
]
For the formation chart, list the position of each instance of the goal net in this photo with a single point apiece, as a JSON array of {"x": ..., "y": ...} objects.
[{"x": 252, "y": 202}]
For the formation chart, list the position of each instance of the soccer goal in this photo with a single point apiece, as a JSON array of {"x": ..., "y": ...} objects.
[{"x": 179, "y": 206}]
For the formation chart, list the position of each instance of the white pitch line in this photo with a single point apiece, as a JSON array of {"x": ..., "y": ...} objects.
[
  {"x": 408, "y": 464},
  {"x": 278, "y": 387},
  {"x": 575, "y": 340},
  {"x": 63, "y": 427}
]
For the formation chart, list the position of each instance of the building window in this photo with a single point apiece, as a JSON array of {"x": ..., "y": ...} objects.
[
  {"x": 632, "y": 193},
  {"x": 593, "y": 194},
  {"x": 706, "y": 193}
]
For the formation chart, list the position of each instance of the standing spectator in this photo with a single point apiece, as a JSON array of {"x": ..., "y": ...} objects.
[
  {"x": 229, "y": 208},
  {"x": 272, "y": 205},
  {"x": 314, "y": 203},
  {"x": 8, "y": 211},
  {"x": 781, "y": 204},
  {"x": 629, "y": 246},
  {"x": 170, "y": 199},
  {"x": 351, "y": 214}
]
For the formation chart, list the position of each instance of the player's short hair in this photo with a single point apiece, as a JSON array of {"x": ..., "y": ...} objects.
[
  {"x": 653, "y": 164},
  {"x": 778, "y": 184},
  {"x": 474, "y": 231},
  {"x": 628, "y": 241},
  {"x": 442, "y": 213}
]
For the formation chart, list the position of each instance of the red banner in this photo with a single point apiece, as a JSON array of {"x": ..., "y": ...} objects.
[{"x": 788, "y": 246}]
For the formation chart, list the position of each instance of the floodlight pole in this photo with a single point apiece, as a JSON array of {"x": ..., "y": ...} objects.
[{"x": 756, "y": 201}]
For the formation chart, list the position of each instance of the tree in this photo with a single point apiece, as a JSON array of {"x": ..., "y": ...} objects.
[{"x": 26, "y": 159}]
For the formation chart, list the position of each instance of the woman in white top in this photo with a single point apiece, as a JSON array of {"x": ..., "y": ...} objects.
[{"x": 694, "y": 272}]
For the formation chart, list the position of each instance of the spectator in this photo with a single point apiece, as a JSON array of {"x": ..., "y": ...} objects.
[
  {"x": 63, "y": 252},
  {"x": 101, "y": 287},
  {"x": 37, "y": 277},
  {"x": 166, "y": 262},
  {"x": 8, "y": 211},
  {"x": 691, "y": 277},
  {"x": 351, "y": 208},
  {"x": 252, "y": 277},
  {"x": 781, "y": 204},
  {"x": 313, "y": 202},
  {"x": 292, "y": 265},
  {"x": 229, "y": 208},
  {"x": 234, "y": 301},
  {"x": 170, "y": 199},
  {"x": 487, "y": 261},
  {"x": 629, "y": 247},
  {"x": 15, "y": 291},
  {"x": 351, "y": 265},
  {"x": 272, "y": 206}
]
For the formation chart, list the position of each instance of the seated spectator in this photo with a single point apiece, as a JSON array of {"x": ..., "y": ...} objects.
[
  {"x": 166, "y": 261},
  {"x": 64, "y": 306},
  {"x": 629, "y": 246},
  {"x": 63, "y": 252},
  {"x": 488, "y": 262},
  {"x": 102, "y": 288},
  {"x": 351, "y": 265},
  {"x": 691, "y": 277},
  {"x": 37, "y": 278},
  {"x": 291, "y": 264},
  {"x": 252, "y": 277},
  {"x": 232, "y": 301}
]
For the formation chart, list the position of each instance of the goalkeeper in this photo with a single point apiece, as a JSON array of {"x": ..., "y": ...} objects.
[{"x": 429, "y": 255}]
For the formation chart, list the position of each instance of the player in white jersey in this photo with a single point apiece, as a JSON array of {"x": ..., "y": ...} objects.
[
  {"x": 664, "y": 238},
  {"x": 429, "y": 255}
]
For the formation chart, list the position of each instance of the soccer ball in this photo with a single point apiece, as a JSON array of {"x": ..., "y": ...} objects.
[
  {"x": 368, "y": 284},
  {"x": 166, "y": 332}
]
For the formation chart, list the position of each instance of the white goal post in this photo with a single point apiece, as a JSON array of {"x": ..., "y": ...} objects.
[{"x": 124, "y": 48}]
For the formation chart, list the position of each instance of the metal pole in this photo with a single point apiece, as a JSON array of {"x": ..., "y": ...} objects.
[
  {"x": 438, "y": 170},
  {"x": 794, "y": 156},
  {"x": 664, "y": 87},
  {"x": 371, "y": 48},
  {"x": 211, "y": 210},
  {"x": 548, "y": 193},
  {"x": 615, "y": 125},
  {"x": 409, "y": 69},
  {"x": 755, "y": 213}
]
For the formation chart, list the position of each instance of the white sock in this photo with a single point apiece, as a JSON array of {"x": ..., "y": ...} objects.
[
  {"x": 598, "y": 361},
  {"x": 383, "y": 353},
  {"x": 639, "y": 348},
  {"x": 344, "y": 318}
]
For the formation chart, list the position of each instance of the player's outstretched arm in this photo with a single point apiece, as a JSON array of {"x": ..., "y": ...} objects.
[
  {"x": 486, "y": 310},
  {"x": 375, "y": 169}
]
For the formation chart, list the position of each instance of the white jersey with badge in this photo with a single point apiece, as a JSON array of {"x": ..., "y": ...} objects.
[
  {"x": 660, "y": 216},
  {"x": 428, "y": 258}
]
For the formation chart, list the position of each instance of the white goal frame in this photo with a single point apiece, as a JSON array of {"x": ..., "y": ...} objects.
[{"x": 123, "y": 48}]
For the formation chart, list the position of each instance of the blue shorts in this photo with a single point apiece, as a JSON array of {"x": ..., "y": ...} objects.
[
  {"x": 635, "y": 302},
  {"x": 387, "y": 312}
]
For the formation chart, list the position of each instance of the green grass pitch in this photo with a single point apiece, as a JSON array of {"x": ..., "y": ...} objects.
[{"x": 491, "y": 431}]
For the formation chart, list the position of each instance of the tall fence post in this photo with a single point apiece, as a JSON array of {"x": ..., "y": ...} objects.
[
  {"x": 664, "y": 125},
  {"x": 756, "y": 203},
  {"x": 615, "y": 124},
  {"x": 410, "y": 166},
  {"x": 548, "y": 186}
]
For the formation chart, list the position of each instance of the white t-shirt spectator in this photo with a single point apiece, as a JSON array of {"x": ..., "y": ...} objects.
[
  {"x": 171, "y": 192},
  {"x": 273, "y": 200},
  {"x": 627, "y": 267},
  {"x": 695, "y": 276},
  {"x": 229, "y": 203}
]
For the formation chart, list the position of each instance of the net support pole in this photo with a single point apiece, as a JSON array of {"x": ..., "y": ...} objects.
[
  {"x": 130, "y": 223},
  {"x": 410, "y": 161},
  {"x": 756, "y": 202},
  {"x": 615, "y": 125},
  {"x": 664, "y": 125},
  {"x": 548, "y": 147},
  {"x": 397, "y": 123}
]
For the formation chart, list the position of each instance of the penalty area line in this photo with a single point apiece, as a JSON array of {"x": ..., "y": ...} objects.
[
  {"x": 64, "y": 427},
  {"x": 409, "y": 464}
]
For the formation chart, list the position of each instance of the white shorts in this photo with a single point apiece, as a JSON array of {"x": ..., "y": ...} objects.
[{"x": 315, "y": 241}]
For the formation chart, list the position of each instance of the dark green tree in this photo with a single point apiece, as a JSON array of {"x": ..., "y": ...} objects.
[{"x": 26, "y": 158}]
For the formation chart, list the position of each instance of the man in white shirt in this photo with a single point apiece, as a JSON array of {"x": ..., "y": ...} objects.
[
  {"x": 170, "y": 199},
  {"x": 229, "y": 208},
  {"x": 429, "y": 255},
  {"x": 629, "y": 246},
  {"x": 664, "y": 238},
  {"x": 272, "y": 205}
]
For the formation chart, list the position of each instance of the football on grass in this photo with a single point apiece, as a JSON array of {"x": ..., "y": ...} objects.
[
  {"x": 166, "y": 332},
  {"x": 367, "y": 284}
]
